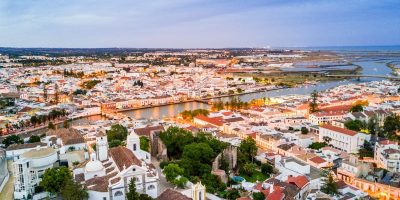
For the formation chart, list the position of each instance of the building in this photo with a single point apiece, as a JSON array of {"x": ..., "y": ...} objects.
[
  {"x": 29, "y": 168},
  {"x": 110, "y": 170},
  {"x": 196, "y": 192},
  {"x": 387, "y": 155},
  {"x": 15, "y": 150},
  {"x": 341, "y": 138},
  {"x": 66, "y": 139}
]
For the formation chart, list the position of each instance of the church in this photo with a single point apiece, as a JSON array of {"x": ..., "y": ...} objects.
[{"x": 109, "y": 171}]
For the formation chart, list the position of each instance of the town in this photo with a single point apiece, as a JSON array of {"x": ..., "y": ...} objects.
[{"x": 72, "y": 125}]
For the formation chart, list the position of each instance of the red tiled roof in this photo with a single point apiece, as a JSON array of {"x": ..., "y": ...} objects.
[
  {"x": 386, "y": 142},
  {"x": 217, "y": 121},
  {"x": 123, "y": 157},
  {"x": 148, "y": 130},
  {"x": 299, "y": 181},
  {"x": 170, "y": 194},
  {"x": 339, "y": 130},
  {"x": 317, "y": 160}
]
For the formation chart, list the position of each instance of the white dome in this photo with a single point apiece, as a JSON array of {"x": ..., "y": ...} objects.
[{"x": 94, "y": 166}]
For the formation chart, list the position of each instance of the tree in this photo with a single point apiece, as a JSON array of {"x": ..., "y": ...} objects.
[
  {"x": 117, "y": 132},
  {"x": 180, "y": 182},
  {"x": 391, "y": 126},
  {"x": 144, "y": 143},
  {"x": 327, "y": 139},
  {"x": 367, "y": 150},
  {"x": 304, "y": 130},
  {"x": 175, "y": 139},
  {"x": 329, "y": 186},
  {"x": 51, "y": 126},
  {"x": 73, "y": 191},
  {"x": 34, "y": 120},
  {"x": 232, "y": 194},
  {"x": 212, "y": 183},
  {"x": 12, "y": 139},
  {"x": 56, "y": 97},
  {"x": 317, "y": 145},
  {"x": 114, "y": 143},
  {"x": 248, "y": 169},
  {"x": 218, "y": 105},
  {"x": 197, "y": 158},
  {"x": 314, "y": 102},
  {"x": 172, "y": 171},
  {"x": 34, "y": 138},
  {"x": 66, "y": 124},
  {"x": 355, "y": 125},
  {"x": 132, "y": 194},
  {"x": 248, "y": 148},
  {"x": 54, "y": 178},
  {"x": 356, "y": 108},
  {"x": 224, "y": 164},
  {"x": 44, "y": 92},
  {"x": 266, "y": 168},
  {"x": 258, "y": 196}
]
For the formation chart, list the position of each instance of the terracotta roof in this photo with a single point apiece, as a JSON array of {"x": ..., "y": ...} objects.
[
  {"x": 123, "y": 157},
  {"x": 299, "y": 181},
  {"x": 170, "y": 194},
  {"x": 79, "y": 177},
  {"x": 236, "y": 119},
  {"x": 68, "y": 136},
  {"x": 386, "y": 142},
  {"x": 217, "y": 121},
  {"x": 339, "y": 130},
  {"x": 148, "y": 130},
  {"x": 317, "y": 160},
  {"x": 99, "y": 184}
]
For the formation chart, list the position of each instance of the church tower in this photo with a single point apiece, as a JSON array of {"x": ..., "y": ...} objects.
[
  {"x": 198, "y": 191},
  {"x": 133, "y": 142},
  {"x": 101, "y": 146}
]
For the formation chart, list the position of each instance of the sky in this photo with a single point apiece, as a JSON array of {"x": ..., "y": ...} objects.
[{"x": 198, "y": 23}]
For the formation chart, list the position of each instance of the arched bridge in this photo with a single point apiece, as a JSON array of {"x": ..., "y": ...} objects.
[{"x": 393, "y": 78}]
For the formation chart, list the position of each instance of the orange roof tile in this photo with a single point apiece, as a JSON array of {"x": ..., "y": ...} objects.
[{"x": 339, "y": 130}]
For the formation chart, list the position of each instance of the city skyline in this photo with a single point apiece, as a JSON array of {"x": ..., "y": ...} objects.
[{"x": 198, "y": 24}]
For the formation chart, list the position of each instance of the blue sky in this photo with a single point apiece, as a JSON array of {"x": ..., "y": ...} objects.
[{"x": 198, "y": 23}]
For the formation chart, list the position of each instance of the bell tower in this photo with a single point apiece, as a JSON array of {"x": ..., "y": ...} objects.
[
  {"x": 101, "y": 146},
  {"x": 133, "y": 142},
  {"x": 198, "y": 191}
]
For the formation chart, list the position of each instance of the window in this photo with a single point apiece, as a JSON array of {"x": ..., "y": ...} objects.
[
  {"x": 104, "y": 198},
  {"x": 118, "y": 193},
  {"x": 151, "y": 187},
  {"x": 134, "y": 147}
]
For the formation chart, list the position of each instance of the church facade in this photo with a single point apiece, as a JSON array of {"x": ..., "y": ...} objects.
[{"x": 110, "y": 170}]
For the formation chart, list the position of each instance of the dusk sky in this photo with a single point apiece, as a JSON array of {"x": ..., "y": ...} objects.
[{"x": 198, "y": 23}]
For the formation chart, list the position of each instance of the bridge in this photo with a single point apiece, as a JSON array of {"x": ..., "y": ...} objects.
[{"x": 393, "y": 78}]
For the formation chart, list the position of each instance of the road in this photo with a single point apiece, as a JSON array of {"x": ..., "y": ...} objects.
[
  {"x": 8, "y": 190},
  {"x": 163, "y": 183}
]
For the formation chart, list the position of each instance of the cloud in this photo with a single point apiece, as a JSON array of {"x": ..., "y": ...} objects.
[{"x": 198, "y": 23}]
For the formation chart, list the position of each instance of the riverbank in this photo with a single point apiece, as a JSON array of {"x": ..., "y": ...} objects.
[{"x": 201, "y": 100}]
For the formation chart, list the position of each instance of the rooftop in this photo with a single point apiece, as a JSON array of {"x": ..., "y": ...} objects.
[{"x": 34, "y": 153}]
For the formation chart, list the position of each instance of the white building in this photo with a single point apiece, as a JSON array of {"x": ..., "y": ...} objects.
[
  {"x": 109, "y": 171},
  {"x": 387, "y": 155},
  {"x": 29, "y": 168},
  {"x": 342, "y": 139}
]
